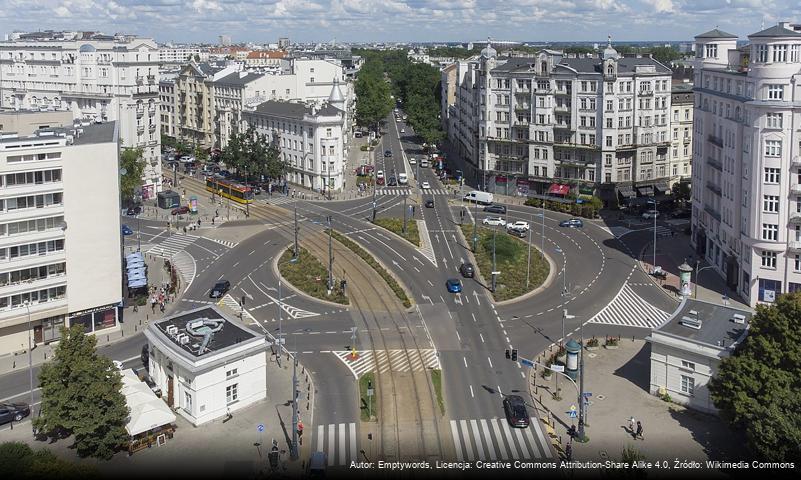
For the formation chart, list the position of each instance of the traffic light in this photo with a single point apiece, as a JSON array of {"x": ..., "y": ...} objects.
[
  {"x": 369, "y": 385},
  {"x": 514, "y": 354},
  {"x": 508, "y": 354}
]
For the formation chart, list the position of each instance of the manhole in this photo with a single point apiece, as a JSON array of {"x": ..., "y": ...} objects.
[
  {"x": 600, "y": 397},
  {"x": 592, "y": 355},
  {"x": 603, "y": 454}
]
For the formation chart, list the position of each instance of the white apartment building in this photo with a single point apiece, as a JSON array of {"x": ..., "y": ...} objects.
[
  {"x": 681, "y": 124},
  {"x": 108, "y": 78},
  {"x": 746, "y": 218},
  {"x": 312, "y": 138},
  {"x": 60, "y": 255},
  {"x": 547, "y": 122},
  {"x": 231, "y": 94},
  {"x": 194, "y": 118},
  {"x": 168, "y": 105},
  {"x": 181, "y": 55}
]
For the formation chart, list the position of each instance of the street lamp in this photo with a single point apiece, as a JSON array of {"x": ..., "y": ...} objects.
[
  {"x": 697, "y": 273},
  {"x": 655, "y": 215},
  {"x": 30, "y": 357},
  {"x": 494, "y": 270}
]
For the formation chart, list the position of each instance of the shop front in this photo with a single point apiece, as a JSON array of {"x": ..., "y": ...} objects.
[{"x": 96, "y": 319}]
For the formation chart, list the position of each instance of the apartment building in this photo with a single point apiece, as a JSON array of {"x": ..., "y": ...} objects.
[
  {"x": 312, "y": 138},
  {"x": 231, "y": 94},
  {"x": 681, "y": 124},
  {"x": 746, "y": 218},
  {"x": 195, "y": 113},
  {"x": 95, "y": 76},
  {"x": 168, "y": 104},
  {"x": 169, "y": 55},
  {"x": 60, "y": 257},
  {"x": 553, "y": 123},
  {"x": 265, "y": 58}
]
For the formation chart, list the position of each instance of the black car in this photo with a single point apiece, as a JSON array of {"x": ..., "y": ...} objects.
[
  {"x": 387, "y": 153},
  {"x": 680, "y": 214},
  {"x": 572, "y": 223},
  {"x": 133, "y": 210},
  {"x": 516, "y": 414},
  {"x": 392, "y": 182},
  {"x": 467, "y": 270},
  {"x": 13, "y": 412},
  {"x": 495, "y": 208},
  {"x": 220, "y": 288},
  {"x": 430, "y": 203}
]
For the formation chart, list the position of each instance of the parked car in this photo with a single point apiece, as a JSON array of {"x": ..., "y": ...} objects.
[
  {"x": 572, "y": 223},
  {"x": 387, "y": 153},
  {"x": 650, "y": 215},
  {"x": 412, "y": 161},
  {"x": 494, "y": 221},
  {"x": 516, "y": 233},
  {"x": 220, "y": 288},
  {"x": 467, "y": 270},
  {"x": 680, "y": 213},
  {"x": 430, "y": 203},
  {"x": 480, "y": 197},
  {"x": 133, "y": 210},
  {"x": 13, "y": 412},
  {"x": 454, "y": 285},
  {"x": 126, "y": 230},
  {"x": 519, "y": 225},
  {"x": 516, "y": 413},
  {"x": 357, "y": 134},
  {"x": 495, "y": 208},
  {"x": 425, "y": 185},
  {"x": 180, "y": 210}
]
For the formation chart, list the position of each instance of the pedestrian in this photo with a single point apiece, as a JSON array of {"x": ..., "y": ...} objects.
[
  {"x": 216, "y": 213},
  {"x": 212, "y": 220},
  {"x": 161, "y": 306},
  {"x": 198, "y": 222},
  {"x": 632, "y": 425},
  {"x": 639, "y": 431}
]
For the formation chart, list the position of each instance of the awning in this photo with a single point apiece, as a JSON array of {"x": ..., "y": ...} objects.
[
  {"x": 626, "y": 191},
  {"x": 662, "y": 186},
  {"x": 147, "y": 410},
  {"x": 646, "y": 190},
  {"x": 134, "y": 256},
  {"x": 558, "y": 189},
  {"x": 137, "y": 283}
]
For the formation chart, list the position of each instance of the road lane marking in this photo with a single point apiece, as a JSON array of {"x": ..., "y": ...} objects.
[
  {"x": 471, "y": 393},
  {"x": 457, "y": 444},
  {"x": 465, "y": 361},
  {"x": 490, "y": 361}
]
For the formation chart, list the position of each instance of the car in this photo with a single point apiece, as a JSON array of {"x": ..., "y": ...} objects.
[
  {"x": 430, "y": 203},
  {"x": 219, "y": 289},
  {"x": 680, "y": 213},
  {"x": 516, "y": 232},
  {"x": 387, "y": 153},
  {"x": 133, "y": 210},
  {"x": 650, "y": 214},
  {"x": 467, "y": 270},
  {"x": 494, "y": 221},
  {"x": 572, "y": 223},
  {"x": 454, "y": 285},
  {"x": 495, "y": 208},
  {"x": 13, "y": 412},
  {"x": 392, "y": 182},
  {"x": 126, "y": 230},
  {"x": 403, "y": 179},
  {"x": 516, "y": 413},
  {"x": 519, "y": 225},
  {"x": 403, "y": 130},
  {"x": 425, "y": 185},
  {"x": 357, "y": 134},
  {"x": 118, "y": 364},
  {"x": 180, "y": 210},
  {"x": 412, "y": 161}
]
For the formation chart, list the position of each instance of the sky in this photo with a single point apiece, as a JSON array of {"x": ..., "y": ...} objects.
[{"x": 263, "y": 21}]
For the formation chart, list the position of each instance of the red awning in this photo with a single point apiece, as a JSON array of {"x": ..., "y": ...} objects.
[{"x": 558, "y": 189}]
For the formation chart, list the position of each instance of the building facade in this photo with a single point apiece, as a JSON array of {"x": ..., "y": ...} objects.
[
  {"x": 60, "y": 254},
  {"x": 97, "y": 77},
  {"x": 182, "y": 55},
  {"x": 265, "y": 58},
  {"x": 681, "y": 137},
  {"x": 598, "y": 124},
  {"x": 746, "y": 216},
  {"x": 168, "y": 105}
]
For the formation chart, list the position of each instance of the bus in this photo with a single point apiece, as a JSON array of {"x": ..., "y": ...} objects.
[{"x": 235, "y": 191}]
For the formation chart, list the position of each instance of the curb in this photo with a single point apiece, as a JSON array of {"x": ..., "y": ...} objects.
[
  {"x": 296, "y": 289},
  {"x": 555, "y": 446},
  {"x": 651, "y": 278}
]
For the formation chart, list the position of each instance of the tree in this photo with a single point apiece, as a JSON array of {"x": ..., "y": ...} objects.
[
  {"x": 18, "y": 460},
  {"x": 234, "y": 154},
  {"x": 133, "y": 164},
  {"x": 81, "y": 396},
  {"x": 756, "y": 388},
  {"x": 681, "y": 191}
]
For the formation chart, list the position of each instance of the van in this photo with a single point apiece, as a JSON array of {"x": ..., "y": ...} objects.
[
  {"x": 403, "y": 179},
  {"x": 424, "y": 162},
  {"x": 484, "y": 198}
]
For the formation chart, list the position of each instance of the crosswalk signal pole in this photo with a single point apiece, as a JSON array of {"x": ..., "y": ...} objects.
[
  {"x": 330, "y": 257},
  {"x": 374, "y": 190},
  {"x": 404, "y": 215},
  {"x": 294, "y": 451},
  {"x": 475, "y": 227},
  {"x": 494, "y": 270}
]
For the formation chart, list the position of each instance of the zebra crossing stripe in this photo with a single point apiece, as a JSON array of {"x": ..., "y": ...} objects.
[
  {"x": 477, "y": 438},
  {"x": 331, "y": 444},
  {"x": 488, "y": 438},
  {"x": 497, "y": 430},
  {"x": 532, "y": 442},
  {"x": 341, "y": 444},
  {"x": 493, "y": 438},
  {"x": 353, "y": 456},
  {"x": 456, "y": 443},
  {"x": 508, "y": 433},
  {"x": 467, "y": 446},
  {"x": 320, "y": 433}
]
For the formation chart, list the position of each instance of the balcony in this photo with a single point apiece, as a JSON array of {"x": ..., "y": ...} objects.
[
  {"x": 646, "y": 93},
  {"x": 140, "y": 112},
  {"x": 523, "y": 107},
  {"x": 561, "y": 126},
  {"x": 795, "y": 188},
  {"x": 795, "y": 218},
  {"x": 714, "y": 164},
  {"x": 713, "y": 213},
  {"x": 794, "y": 245},
  {"x": 796, "y": 161},
  {"x": 563, "y": 91},
  {"x": 575, "y": 145},
  {"x": 140, "y": 80},
  {"x": 152, "y": 127},
  {"x": 714, "y": 188},
  {"x": 140, "y": 129},
  {"x": 715, "y": 140},
  {"x": 151, "y": 79},
  {"x": 561, "y": 108},
  {"x": 151, "y": 111}
]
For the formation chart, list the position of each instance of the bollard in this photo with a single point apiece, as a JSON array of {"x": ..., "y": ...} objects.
[
  {"x": 307, "y": 405},
  {"x": 136, "y": 327},
  {"x": 14, "y": 365},
  {"x": 45, "y": 356}
]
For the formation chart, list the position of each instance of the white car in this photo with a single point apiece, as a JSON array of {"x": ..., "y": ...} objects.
[
  {"x": 403, "y": 179},
  {"x": 650, "y": 214},
  {"x": 379, "y": 174},
  {"x": 494, "y": 221},
  {"x": 403, "y": 130},
  {"x": 412, "y": 161},
  {"x": 519, "y": 225},
  {"x": 425, "y": 185}
]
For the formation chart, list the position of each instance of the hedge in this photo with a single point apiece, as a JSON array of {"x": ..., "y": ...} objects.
[{"x": 586, "y": 210}]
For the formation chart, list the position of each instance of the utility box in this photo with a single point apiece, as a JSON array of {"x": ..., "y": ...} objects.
[{"x": 169, "y": 199}]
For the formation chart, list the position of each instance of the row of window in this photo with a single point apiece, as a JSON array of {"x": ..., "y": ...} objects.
[
  {"x": 40, "y": 296},
  {"x": 31, "y": 201},
  {"x": 32, "y": 273},
  {"x": 33, "y": 157},
  {"x": 30, "y": 178},
  {"x": 39, "y": 248},
  {"x": 36, "y": 225},
  {"x": 776, "y": 53}
]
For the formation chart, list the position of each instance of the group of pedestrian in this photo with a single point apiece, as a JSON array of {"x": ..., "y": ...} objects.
[
  {"x": 159, "y": 296},
  {"x": 635, "y": 428}
]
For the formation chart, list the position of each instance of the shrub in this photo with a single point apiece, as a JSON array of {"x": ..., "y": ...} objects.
[
  {"x": 611, "y": 341},
  {"x": 593, "y": 342}
]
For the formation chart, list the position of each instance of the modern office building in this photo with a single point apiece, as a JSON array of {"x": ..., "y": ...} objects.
[
  {"x": 96, "y": 77},
  {"x": 746, "y": 196},
  {"x": 60, "y": 254}
]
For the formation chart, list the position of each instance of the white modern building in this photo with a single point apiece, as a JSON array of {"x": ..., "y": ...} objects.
[
  {"x": 686, "y": 351},
  {"x": 312, "y": 137},
  {"x": 96, "y": 77},
  {"x": 600, "y": 125},
  {"x": 746, "y": 218},
  {"x": 207, "y": 364},
  {"x": 60, "y": 254},
  {"x": 169, "y": 55}
]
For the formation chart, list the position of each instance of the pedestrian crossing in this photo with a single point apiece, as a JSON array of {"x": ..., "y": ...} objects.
[
  {"x": 494, "y": 439},
  {"x": 225, "y": 243},
  {"x": 389, "y": 360},
  {"x": 233, "y": 305},
  {"x": 186, "y": 266},
  {"x": 338, "y": 441},
  {"x": 409, "y": 191},
  {"x": 172, "y": 245},
  {"x": 280, "y": 199},
  {"x": 629, "y": 309}
]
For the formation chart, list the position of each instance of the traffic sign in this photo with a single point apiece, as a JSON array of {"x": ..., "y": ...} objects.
[
  {"x": 527, "y": 363},
  {"x": 572, "y": 414},
  {"x": 370, "y": 392},
  {"x": 573, "y": 408},
  {"x": 587, "y": 394},
  {"x": 558, "y": 368},
  {"x": 260, "y": 427}
]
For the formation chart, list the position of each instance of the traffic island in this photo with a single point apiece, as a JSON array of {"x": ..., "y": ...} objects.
[
  {"x": 309, "y": 276},
  {"x": 368, "y": 406},
  {"x": 395, "y": 225},
  {"x": 436, "y": 380},
  {"x": 511, "y": 257}
]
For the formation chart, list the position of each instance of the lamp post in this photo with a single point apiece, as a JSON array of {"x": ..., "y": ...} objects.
[
  {"x": 475, "y": 226},
  {"x": 296, "y": 251},
  {"x": 30, "y": 358},
  {"x": 330, "y": 257},
  {"x": 542, "y": 239},
  {"x": 655, "y": 215},
  {"x": 697, "y": 273},
  {"x": 494, "y": 271},
  {"x": 528, "y": 264}
]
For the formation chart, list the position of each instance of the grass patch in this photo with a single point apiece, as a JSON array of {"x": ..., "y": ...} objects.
[
  {"x": 436, "y": 379},
  {"x": 309, "y": 276},
  {"x": 511, "y": 254},
  {"x": 395, "y": 225},
  {"x": 365, "y": 406},
  {"x": 364, "y": 255}
]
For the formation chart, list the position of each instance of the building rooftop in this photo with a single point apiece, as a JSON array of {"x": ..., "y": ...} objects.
[
  {"x": 295, "y": 109},
  {"x": 585, "y": 64},
  {"x": 238, "y": 79},
  {"x": 716, "y": 327},
  {"x": 177, "y": 331},
  {"x": 781, "y": 30},
  {"x": 716, "y": 33},
  {"x": 96, "y": 133}
]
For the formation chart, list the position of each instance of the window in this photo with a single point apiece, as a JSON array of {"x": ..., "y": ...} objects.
[
  {"x": 794, "y": 49},
  {"x": 797, "y": 262},
  {"x": 231, "y": 394},
  {"x": 762, "y": 53},
  {"x": 770, "y": 232},
  {"x": 687, "y": 365},
  {"x": 608, "y": 140},
  {"x": 775, "y": 92},
  {"x": 687, "y": 385},
  {"x": 774, "y": 120},
  {"x": 773, "y": 148},
  {"x": 770, "y": 203},
  {"x": 771, "y": 175},
  {"x": 768, "y": 259},
  {"x": 231, "y": 373},
  {"x": 780, "y": 53},
  {"x": 188, "y": 401}
]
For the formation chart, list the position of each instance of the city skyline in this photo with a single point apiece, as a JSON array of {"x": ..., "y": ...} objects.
[{"x": 388, "y": 21}]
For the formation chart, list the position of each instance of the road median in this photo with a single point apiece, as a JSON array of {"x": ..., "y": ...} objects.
[
  {"x": 395, "y": 225},
  {"x": 309, "y": 276}
]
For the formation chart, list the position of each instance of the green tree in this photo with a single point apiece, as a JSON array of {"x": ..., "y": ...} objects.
[
  {"x": 373, "y": 99},
  {"x": 681, "y": 192},
  {"x": 234, "y": 155},
  {"x": 756, "y": 388},
  {"x": 134, "y": 165},
  {"x": 18, "y": 460},
  {"x": 81, "y": 396},
  {"x": 664, "y": 55}
]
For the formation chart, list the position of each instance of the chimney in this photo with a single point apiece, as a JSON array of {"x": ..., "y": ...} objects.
[{"x": 785, "y": 25}]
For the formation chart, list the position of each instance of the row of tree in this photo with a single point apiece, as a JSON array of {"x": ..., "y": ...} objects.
[
  {"x": 252, "y": 154},
  {"x": 373, "y": 94}
]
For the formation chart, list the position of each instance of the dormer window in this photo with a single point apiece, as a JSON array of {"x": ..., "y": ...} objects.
[
  {"x": 779, "y": 53},
  {"x": 610, "y": 70},
  {"x": 711, "y": 50}
]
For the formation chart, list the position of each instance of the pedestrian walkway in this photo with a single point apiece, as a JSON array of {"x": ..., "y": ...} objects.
[
  {"x": 338, "y": 441},
  {"x": 389, "y": 360},
  {"x": 225, "y": 243},
  {"x": 278, "y": 199},
  {"x": 409, "y": 191},
  {"x": 233, "y": 305},
  {"x": 494, "y": 439},
  {"x": 629, "y": 309},
  {"x": 426, "y": 248},
  {"x": 187, "y": 267},
  {"x": 172, "y": 245}
]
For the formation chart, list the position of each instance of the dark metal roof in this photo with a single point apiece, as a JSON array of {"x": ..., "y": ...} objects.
[
  {"x": 230, "y": 335},
  {"x": 236, "y": 79},
  {"x": 716, "y": 33},
  {"x": 294, "y": 109},
  {"x": 716, "y": 323},
  {"x": 583, "y": 65},
  {"x": 776, "y": 31}
]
